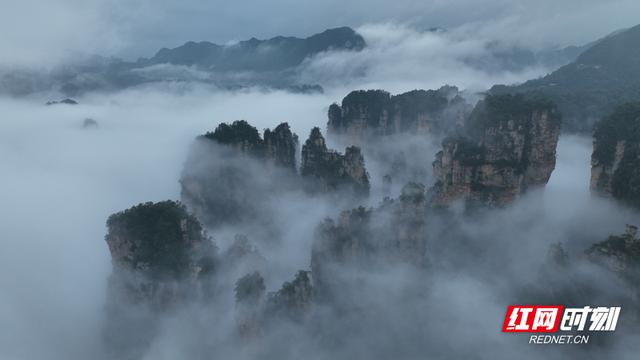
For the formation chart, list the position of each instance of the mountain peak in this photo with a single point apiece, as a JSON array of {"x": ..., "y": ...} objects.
[
  {"x": 274, "y": 54},
  {"x": 603, "y": 77}
]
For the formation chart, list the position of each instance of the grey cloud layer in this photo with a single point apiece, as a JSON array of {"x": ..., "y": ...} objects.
[
  {"x": 35, "y": 31},
  {"x": 61, "y": 182}
]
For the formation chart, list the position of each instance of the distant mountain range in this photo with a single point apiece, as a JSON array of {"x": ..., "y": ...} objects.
[
  {"x": 276, "y": 54},
  {"x": 254, "y": 62},
  {"x": 591, "y": 79},
  {"x": 602, "y": 77},
  {"x": 516, "y": 58}
]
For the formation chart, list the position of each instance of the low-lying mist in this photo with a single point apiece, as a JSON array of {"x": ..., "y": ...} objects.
[
  {"x": 399, "y": 57},
  {"x": 62, "y": 180}
]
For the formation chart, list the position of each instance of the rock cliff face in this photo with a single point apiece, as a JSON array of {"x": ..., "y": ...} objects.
[
  {"x": 278, "y": 146},
  {"x": 377, "y": 113},
  {"x": 219, "y": 181},
  {"x": 292, "y": 302},
  {"x": 161, "y": 258},
  {"x": 620, "y": 254},
  {"x": 362, "y": 238},
  {"x": 160, "y": 241},
  {"x": 508, "y": 146},
  {"x": 328, "y": 170},
  {"x": 281, "y": 146},
  {"x": 615, "y": 162},
  {"x": 409, "y": 217},
  {"x": 249, "y": 293}
]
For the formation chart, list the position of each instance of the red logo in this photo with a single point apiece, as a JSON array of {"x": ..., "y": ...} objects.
[{"x": 532, "y": 318}]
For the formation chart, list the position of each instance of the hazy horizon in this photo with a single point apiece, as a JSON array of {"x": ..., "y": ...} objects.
[
  {"x": 66, "y": 168},
  {"x": 60, "y": 30}
]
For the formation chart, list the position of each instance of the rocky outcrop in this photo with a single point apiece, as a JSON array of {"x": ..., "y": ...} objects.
[
  {"x": 281, "y": 146},
  {"x": 338, "y": 244},
  {"x": 233, "y": 176},
  {"x": 240, "y": 135},
  {"x": 249, "y": 293},
  {"x": 161, "y": 258},
  {"x": 377, "y": 113},
  {"x": 409, "y": 218},
  {"x": 293, "y": 301},
  {"x": 228, "y": 177},
  {"x": 362, "y": 238},
  {"x": 278, "y": 146},
  {"x": 249, "y": 289},
  {"x": 507, "y": 147},
  {"x": 328, "y": 170},
  {"x": 620, "y": 254},
  {"x": 160, "y": 241},
  {"x": 254, "y": 311},
  {"x": 615, "y": 162}
]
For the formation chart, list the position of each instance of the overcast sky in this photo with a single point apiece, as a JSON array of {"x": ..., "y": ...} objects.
[{"x": 36, "y": 31}]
